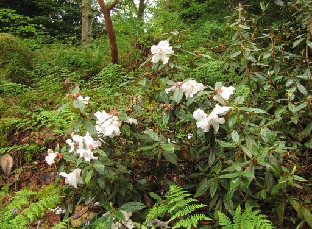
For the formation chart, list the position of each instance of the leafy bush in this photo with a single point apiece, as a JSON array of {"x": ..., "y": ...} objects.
[{"x": 16, "y": 60}]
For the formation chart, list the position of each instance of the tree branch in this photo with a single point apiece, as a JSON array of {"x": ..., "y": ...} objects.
[
  {"x": 112, "y": 5},
  {"x": 102, "y": 5}
]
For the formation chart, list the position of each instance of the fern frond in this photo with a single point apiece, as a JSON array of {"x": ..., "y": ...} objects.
[
  {"x": 191, "y": 221},
  {"x": 186, "y": 211},
  {"x": 34, "y": 211},
  {"x": 237, "y": 218},
  {"x": 158, "y": 210},
  {"x": 175, "y": 206},
  {"x": 180, "y": 205},
  {"x": 251, "y": 219},
  {"x": 225, "y": 221}
]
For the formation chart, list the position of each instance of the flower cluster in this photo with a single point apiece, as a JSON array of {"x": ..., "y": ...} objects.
[
  {"x": 214, "y": 119},
  {"x": 107, "y": 125},
  {"x": 190, "y": 88},
  {"x": 223, "y": 94},
  {"x": 204, "y": 121},
  {"x": 83, "y": 146},
  {"x": 161, "y": 51}
]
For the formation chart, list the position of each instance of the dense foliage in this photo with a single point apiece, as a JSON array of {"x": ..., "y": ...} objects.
[{"x": 207, "y": 117}]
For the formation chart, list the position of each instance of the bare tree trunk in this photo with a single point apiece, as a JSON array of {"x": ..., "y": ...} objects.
[
  {"x": 86, "y": 17},
  {"x": 141, "y": 10},
  {"x": 110, "y": 29}
]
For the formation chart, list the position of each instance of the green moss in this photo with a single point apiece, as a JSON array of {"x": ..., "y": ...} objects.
[{"x": 16, "y": 60}]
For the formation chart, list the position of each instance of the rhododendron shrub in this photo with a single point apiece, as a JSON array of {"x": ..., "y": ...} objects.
[{"x": 185, "y": 132}]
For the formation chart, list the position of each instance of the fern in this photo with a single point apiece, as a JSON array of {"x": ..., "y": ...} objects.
[
  {"x": 251, "y": 219},
  {"x": 180, "y": 206},
  {"x": 28, "y": 206}
]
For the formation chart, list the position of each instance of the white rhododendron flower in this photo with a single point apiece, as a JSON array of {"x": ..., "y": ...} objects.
[
  {"x": 90, "y": 143},
  {"x": 83, "y": 145},
  {"x": 223, "y": 94},
  {"x": 175, "y": 85},
  {"x": 205, "y": 121},
  {"x": 87, "y": 154},
  {"x": 218, "y": 110},
  {"x": 84, "y": 100},
  {"x": 51, "y": 156},
  {"x": 199, "y": 114},
  {"x": 72, "y": 178},
  {"x": 107, "y": 125},
  {"x": 161, "y": 51},
  {"x": 215, "y": 121},
  {"x": 191, "y": 87}
]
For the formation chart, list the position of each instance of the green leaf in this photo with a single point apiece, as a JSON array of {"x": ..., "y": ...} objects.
[
  {"x": 142, "y": 82},
  {"x": 76, "y": 125},
  {"x": 152, "y": 134},
  {"x": 79, "y": 104},
  {"x": 235, "y": 54},
  {"x": 100, "y": 168},
  {"x": 122, "y": 116},
  {"x": 230, "y": 175},
  {"x": 155, "y": 196},
  {"x": 297, "y": 42},
  {"x": 87, "y": 176},
  {"x": 298, "y": 178},
  {"x": 235, "y": 136},
  {"x": 178, "y": 95},
  {"x": 132, "y": 206},
  {"x": 254, "y": 110},
  {"x": 295, "y": 109},
  {"x": 90, "y": 127},
  {"x": 119, "y": 215},
  {"x": 248, "y": 174},
  {"x": 268, "y": 135},
  {"x": 75, "y": 91},
  {"x": 307, "y": 216},
  {"x": 202, "y": 187},
  {"x": 235, "y": 182},
  {"x": 302, "y": 89},
  {"x": 166, "y": 118},
  {"x": 213, "y": 187},
  {"x": 169, "y": 153},
  {"x": 247, "y": 151},
  {"x": 147, "y": 148},
  {"x": 63, "y": 107},
  {"x": 280, "y": 212},
  {"x": 225, "y": 144}
]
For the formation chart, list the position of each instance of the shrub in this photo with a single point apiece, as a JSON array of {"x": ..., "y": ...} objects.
[{"x": 16, "y": 60}]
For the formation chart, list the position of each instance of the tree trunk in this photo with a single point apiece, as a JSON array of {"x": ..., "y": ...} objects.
[
  {"x": 86, "y": 17},
  {"x": 141, "y": 10},
  {"x": 110, "y": 29}
]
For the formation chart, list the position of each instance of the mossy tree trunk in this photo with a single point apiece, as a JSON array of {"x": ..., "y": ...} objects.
[
  {"x": 106, "y": 9},
  {"x": 86, "y": 19}
]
